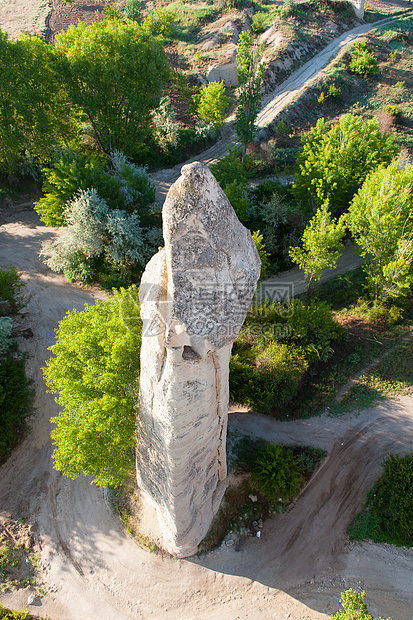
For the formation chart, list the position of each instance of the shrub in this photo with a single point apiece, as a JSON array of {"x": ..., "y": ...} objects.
[
  {"x": 119, "y": 182},
  {"x": 276, "y": 473},
  {"x": 362, "y": 60},
  {"x": 387, "y": 515},
  {"x": 274, "y": 349},
  {"x": 10, "y": 291},
  {"x": 211, "y": 104},
  {"x": 6, "y": 341},
  {"x": 95, "y": 233},
  {"x": 334, "y": 92},
  {"x": 354, "y": 607},
  {"x": 393, "y": 111},
  {"x": 15, "y": 395}
]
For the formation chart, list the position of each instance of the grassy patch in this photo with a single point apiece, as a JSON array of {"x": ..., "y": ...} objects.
[
  {"x": 18, "y": 555},
  {"x": 387, "y": 514}
]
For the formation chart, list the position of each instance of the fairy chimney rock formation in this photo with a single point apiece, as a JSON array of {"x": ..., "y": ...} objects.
[{"x": 194, "y": 294}]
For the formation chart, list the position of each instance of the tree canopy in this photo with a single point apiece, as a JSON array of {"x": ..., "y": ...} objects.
[
  {"x": 33, "y": 107},
  {"x": 250, "y": 73},
  {"x": 381, "y": 220},
  {"x": 336, "y": 159},
  {"x": 115, "y": 71},
  {"x": 95, "y": 371},
  {"x": 322, "y": 245}
]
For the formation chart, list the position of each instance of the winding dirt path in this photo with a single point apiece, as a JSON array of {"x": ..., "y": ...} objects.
[{"x": 273, "y": 104}]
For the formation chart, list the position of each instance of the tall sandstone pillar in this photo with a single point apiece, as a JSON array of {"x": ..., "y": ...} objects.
[{"x": 194, "y": 295}]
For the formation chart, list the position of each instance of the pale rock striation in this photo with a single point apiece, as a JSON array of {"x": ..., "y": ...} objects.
[
  {"x": 358, "y": 6},
  {"x": 195, "y": 294}
]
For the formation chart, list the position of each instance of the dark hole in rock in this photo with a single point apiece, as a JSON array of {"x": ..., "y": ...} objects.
[{"x": 189, "y": 354}]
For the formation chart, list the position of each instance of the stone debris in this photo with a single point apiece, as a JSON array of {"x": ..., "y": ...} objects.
[{"x": 194, "y": 294}]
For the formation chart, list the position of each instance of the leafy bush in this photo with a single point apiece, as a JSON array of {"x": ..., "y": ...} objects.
[
  {"x": 393, "y": 110},
  {"x": 10, "y": 291},
  {"x": 15, "y": 395},
  {"x": 354, "y": 607},
  {"x": 211, "y": 104},
  {"x": 12, "y": 614},
  {"x": 119, "y": 182},
  {"x": 275, "y": 348},
  {"x": 362, "y": 60},
  {"x": 96, "y": 233},
  {"x": 276, "y": 473},
  {"x": 334, "y": 92},
  {"x": 387, "y": 515}
]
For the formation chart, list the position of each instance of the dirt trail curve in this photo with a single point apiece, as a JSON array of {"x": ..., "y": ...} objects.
[
  {"x": 273, "y": 104},
  {"x": 92, "y": 569}
]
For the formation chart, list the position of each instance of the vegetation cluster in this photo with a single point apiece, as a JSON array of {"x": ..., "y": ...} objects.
[
  {"x": 271, "y": 474},
  {"x": 386, "y": 516},
  {"x": 15, "y": 392}
]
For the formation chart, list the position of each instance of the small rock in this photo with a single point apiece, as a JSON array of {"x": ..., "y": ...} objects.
[
  {"x": 260, "y": 523},
  {"x": 253, "y": 498},
  {"x": 258, "y": 534},
  {"x": 255, "y": 523},
  {"x": 229, "y": 542},
  {"x": 32, "y": 599},
  {"x": 22, "y": 330}
]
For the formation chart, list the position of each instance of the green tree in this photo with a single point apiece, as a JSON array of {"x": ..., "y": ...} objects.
[
  {"x": 336, "y": 159},
  {"x": 354, "y": 607},
  {"x": 211, "y": 104},
  {"x": 322, "y": 245},
  {"x": 362, "y": 59},
  {"x": 115, "y": 72},
  {"x": 381, "y": 221},
  {"x": 250, "y": 73},
  {"x": 34, "y": 114},
  {"x": 95, "y": 371}
]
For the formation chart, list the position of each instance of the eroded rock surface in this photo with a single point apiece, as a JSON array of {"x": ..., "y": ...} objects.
[{"x": 194, "y": 294}]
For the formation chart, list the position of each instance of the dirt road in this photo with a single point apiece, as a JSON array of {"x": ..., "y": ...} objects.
[{"x": 92, "y": 569}]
